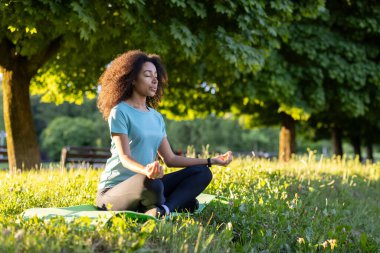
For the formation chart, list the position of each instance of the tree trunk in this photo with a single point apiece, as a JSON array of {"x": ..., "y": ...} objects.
[
  {"x": 369, "y": 147},
  {"x": 18, "y": 70},
  {"x": 336, "y": 134},
  {"x": 287, "y": 142},
  {"x": 22, "y": 145},
  {"x": 356, "y": 144},
  {"x": 370, "y": 153}
]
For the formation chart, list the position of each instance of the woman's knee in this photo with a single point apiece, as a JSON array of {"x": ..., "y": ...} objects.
[
  {"x": 207, "y": 174},
  {"x": 155, "y": 185},
  {"x": 204, "y": 172}
]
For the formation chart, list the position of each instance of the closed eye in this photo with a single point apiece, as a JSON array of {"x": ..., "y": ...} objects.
[{"x": 150, "y": 76}]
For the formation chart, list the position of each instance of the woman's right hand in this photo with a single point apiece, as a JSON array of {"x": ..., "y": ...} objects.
[
  {"x": 222, "y": 160},
  {"x": 154, "y": 170}
]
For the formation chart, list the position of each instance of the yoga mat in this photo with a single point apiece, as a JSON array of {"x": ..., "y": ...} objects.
[{"x": 96, "y": 215}]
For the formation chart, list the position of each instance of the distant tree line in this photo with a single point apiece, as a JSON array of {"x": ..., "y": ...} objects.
[{"x": 69, "y": 124}]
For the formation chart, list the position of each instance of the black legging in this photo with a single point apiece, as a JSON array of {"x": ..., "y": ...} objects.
[{"x": 176, "y": 190}]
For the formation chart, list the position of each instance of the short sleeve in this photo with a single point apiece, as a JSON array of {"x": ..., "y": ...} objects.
[{"x": 117, "y": 121}]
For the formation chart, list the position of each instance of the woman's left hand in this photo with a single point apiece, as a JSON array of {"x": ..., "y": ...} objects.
[{"x": 222, "y": 160}]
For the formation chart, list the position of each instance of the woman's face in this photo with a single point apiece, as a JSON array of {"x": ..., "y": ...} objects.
[{"x": 146, "y": 83}]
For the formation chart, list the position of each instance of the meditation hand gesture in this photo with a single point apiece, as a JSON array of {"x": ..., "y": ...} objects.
[
  {"x": 222, "y": 160},
  {"x": 154, "y": 170}
]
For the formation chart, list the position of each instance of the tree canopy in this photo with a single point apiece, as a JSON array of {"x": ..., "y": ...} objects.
[
  {"x": 59, "y": 48},
  {"x": 208, "y": 42},
  {"x": 327, "y": 69}
]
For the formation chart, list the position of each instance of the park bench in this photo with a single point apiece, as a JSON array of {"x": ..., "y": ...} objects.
[
  {"x": 3, "y": 154},
  {"x": 75, "y": 157}
]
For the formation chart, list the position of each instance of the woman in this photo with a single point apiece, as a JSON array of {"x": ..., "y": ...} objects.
[{"x": 131, "y": 87}]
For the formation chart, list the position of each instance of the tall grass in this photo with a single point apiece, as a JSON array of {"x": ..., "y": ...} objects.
[{"x": 304, "y": 205}]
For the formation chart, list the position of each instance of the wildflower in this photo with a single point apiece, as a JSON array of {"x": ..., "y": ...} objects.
[
  {"x": 229, "y": 226},
  {"x": 300, "y": 240},
  {"x": 332, "y": 243}
]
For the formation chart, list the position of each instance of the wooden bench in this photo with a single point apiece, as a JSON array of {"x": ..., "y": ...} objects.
[
  {"x": 3, "y": 154},
  {"x": 75, "y": 157}
]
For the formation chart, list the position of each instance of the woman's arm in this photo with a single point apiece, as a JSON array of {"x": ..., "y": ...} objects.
[
  {"x": 173, "y": 160},
  {"x": 152, "y": 170}
]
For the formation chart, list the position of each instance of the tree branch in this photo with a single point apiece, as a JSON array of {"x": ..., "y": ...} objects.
[{"x": 38, "y": 60}]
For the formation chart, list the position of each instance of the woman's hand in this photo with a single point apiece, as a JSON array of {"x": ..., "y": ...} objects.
[
  {"x": 154, "y": 170},
  {"x": 222, "y": 160}
]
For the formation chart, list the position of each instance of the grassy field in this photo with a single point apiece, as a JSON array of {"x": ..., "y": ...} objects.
[{"x": 306, "y": 205}]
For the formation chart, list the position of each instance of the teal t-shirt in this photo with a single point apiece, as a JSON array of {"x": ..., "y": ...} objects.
[{"x": 145, "y": 131}]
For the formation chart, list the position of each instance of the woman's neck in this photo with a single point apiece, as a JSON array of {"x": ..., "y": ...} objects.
[{"x": 137, "y": 102}]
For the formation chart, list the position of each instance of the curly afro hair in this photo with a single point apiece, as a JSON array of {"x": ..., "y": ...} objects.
[{"x": 116, "y": 80}]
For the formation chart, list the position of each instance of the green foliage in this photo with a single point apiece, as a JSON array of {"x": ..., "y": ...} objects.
[
  {"x": 334, "y": 60},
  {"x": 327, "y": 68},
  {"x": 67, "y": 131},
  {"x": 213, "y": 42},
  {"x": 302, "y": 206},
  {"x": 344, "y": 67},
  {"x": 44, "y": 113},
  {"x": 64, "y": 46}
]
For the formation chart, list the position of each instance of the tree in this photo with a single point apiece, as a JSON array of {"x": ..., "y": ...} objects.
[
  {"x": 67, "y": 131},
  {"x": 328, "y": 69},
  {"x": 273, "y": 96},
  {"x": 58, "y": 49},
  {"x": 45, "y": 113},
  {"x": 342, "y": 60}
]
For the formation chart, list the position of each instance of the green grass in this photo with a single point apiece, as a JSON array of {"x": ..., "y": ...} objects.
[
  {"x": 45, "y": 165},
  {"x": 301, "y": 206}
]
